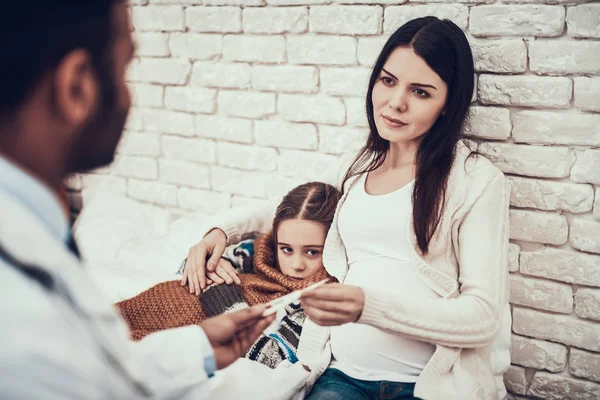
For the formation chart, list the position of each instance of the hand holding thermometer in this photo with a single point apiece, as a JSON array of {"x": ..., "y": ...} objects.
[{"x": 281, "y": 302}]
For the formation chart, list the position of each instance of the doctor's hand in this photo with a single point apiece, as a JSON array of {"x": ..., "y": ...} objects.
[
  {"x": 333, "y": 304},
  {"x": 231, "y": 335}
]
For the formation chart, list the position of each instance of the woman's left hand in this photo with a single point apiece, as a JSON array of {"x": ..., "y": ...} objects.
[{"x": 333, "y": 304}]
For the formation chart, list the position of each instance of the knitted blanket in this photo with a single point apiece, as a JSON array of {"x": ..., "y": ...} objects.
[{"x": 170, "y": 305}]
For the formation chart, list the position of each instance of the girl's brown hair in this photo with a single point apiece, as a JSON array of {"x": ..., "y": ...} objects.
[{"x": 312, "y": 201}]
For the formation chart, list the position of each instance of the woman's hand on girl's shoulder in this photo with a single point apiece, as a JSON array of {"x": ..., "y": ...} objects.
[{"x": 197, "y": 266}]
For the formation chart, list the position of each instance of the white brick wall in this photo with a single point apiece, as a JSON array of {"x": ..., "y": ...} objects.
[
  {"x": 145, "y": 95},
  {"x": 348, "y": 20},
  {"x": 517, "y": 20},
  {"x": 541, "y": 294},
  {"x": 526, "y": 91},
  {"x": 285, "y": 79},
  {"x": 587, "y": 92},
  {"x": 221, "y": 75},
  {"x": 154, "y": 18},
  {"x": 569, "y": 330},
  {"x": 550, "y": 57},
  {"x": 152, "y": 44},
  {"x": 238, "y": 101},
  {"x": 551, "y": 196},
  {"x": 167, "y": 121},
  {"x": 544, "y": 127},
  {"x": 515, "y": 380},
  {"x": 167, "y": 71},
  {"x": 553, "y": 386},
  {"x": 584, "y": 21},
  {"x": 546, "y": 162},
  {"x": 538, "y": 354},
  {"x": 587, "y": 303},
  {"x": 561, "y": 265},
  {"x": 195, "y": 46},
  {"x": 538, "y": 226},
  {"x": 284, "y": 20},
  {"x": 214, "y": 19},
  {"x": 190, "y": 99},
  {"x": 258, "y": 48},
  {"x": 500, "y": 56},
  {"x": 320, "y": 50},
  {"x": 585, "y": 364},
  {"x": 344, "y": 81},
  {"x": 488, "y": 123},
  {"x": 398, "y": 15}
]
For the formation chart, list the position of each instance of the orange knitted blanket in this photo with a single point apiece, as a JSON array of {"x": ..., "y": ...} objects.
[{"x": 170, "y": 305}]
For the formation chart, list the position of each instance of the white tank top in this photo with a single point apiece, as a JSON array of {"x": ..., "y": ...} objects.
[{"x": 374, "y": 231}]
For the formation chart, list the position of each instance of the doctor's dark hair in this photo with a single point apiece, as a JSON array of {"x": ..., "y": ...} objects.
[
  {"x": 36, "y": 35},
  {"x": 444, "y": 47},
  {"x": 312, "y": 201}
]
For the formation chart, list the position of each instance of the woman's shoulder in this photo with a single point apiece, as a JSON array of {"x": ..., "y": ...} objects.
[
  {"x": 336, "y": 172},
  {"x": 474, "y": 167},
  {"x": 472, "y": 175}
]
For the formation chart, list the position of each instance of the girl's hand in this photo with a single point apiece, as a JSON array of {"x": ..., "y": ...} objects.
[
  {"x": 224, "y": 273},
  {"x": 333, "y": 304}
]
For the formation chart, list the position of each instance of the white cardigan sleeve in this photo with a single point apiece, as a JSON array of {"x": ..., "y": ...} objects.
[{"x": 471, "y": 319}]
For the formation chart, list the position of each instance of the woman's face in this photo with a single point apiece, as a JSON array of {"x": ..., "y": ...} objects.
[
  {"x": 300, "y": 248},
  {"x": 408, "y": 97}
]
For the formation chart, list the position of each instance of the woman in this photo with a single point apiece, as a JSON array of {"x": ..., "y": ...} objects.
[{"x": 419, "y": 241}]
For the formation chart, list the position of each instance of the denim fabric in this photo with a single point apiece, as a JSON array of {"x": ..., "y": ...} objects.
[{"x": 335, "y": 385}]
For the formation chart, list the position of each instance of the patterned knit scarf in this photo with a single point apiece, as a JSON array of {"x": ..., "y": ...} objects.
[{"x": 170, "y": 305}]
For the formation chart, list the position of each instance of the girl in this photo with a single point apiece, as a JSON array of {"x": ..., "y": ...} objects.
[
  {"x": 286, "y": 259},
  {"x": 419, "y": 240}
]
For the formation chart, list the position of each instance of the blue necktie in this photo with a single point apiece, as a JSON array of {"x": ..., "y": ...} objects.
[{"x": 72, "y": 246}]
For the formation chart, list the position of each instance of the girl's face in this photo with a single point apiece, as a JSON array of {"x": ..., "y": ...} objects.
[
  {"x": 300, "y": 247},
  {"x": 408, "y": 97}
]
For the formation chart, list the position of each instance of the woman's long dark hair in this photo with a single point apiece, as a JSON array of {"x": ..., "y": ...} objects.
[{"x": 444, "y": 47}]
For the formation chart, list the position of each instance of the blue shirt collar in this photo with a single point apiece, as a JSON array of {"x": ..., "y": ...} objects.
[{"x": 36, "y": 196}]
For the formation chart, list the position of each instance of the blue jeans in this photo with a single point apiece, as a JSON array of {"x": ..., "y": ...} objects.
[{"x": 335, "y": 385}]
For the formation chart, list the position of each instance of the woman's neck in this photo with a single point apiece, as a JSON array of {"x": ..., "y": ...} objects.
[{"x": 401, "y": 155}]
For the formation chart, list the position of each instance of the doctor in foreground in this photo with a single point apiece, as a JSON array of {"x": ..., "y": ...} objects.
[{"x": 63, "y": 105}]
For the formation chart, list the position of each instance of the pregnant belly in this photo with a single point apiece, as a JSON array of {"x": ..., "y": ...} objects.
[
  {"x": 367, "y": 351},
  {"x": 373, "y": 352}
]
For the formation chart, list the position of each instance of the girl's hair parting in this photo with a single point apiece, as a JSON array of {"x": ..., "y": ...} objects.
[{"x": 312, "y": 201}]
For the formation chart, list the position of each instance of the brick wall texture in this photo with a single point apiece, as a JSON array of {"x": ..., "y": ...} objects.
[{"x": 236, "y": 101}]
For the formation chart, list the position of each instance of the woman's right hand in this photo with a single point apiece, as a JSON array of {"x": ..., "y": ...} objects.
[{"x": 196, "y": 266}]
